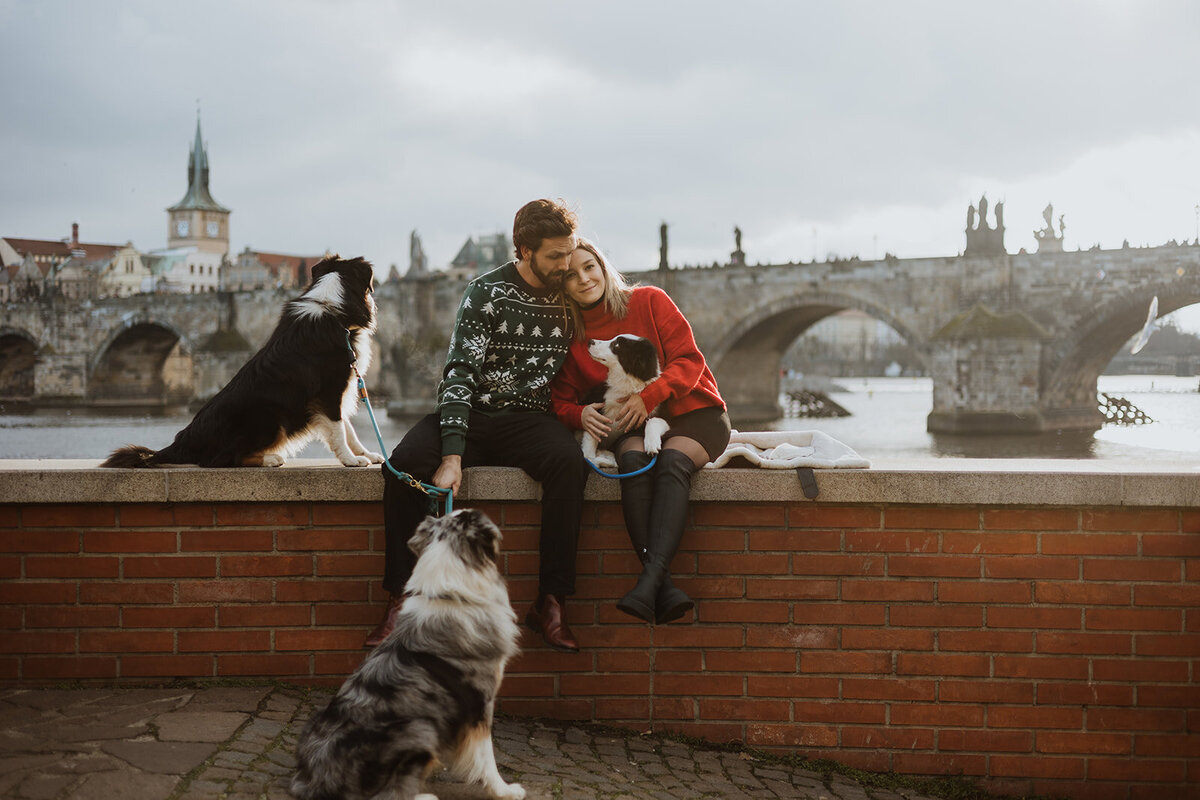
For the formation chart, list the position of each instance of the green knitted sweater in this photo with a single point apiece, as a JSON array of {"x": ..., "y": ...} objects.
[{"x": 509, "y": 342}]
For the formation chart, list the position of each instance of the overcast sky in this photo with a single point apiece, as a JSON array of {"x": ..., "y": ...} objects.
[{"x": 818, "y": 128}]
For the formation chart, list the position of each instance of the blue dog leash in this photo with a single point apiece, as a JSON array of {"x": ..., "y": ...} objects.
[
  {"x": 435, "y": 493},
  {"x": 633, "y": 474}
]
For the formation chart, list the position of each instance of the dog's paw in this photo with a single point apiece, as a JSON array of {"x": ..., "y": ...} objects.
[
  {"x": 513, "y": 791},
  {"x": 655, "y": 428},
  {"x": 357, "y": 461},
  {"x": 374, "y": 458},
  {"x": 605, "y": 460},
  {"x": 273, "y": 460},
  {"x": 428, "y": 796}
]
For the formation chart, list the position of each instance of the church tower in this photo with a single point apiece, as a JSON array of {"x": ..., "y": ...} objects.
[{"x": 198, "y": 220}]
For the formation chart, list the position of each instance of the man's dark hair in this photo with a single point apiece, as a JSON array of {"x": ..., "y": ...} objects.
[{"x": 541, "y": 219}]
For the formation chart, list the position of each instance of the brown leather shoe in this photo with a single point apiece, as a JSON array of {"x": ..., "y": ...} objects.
[
  {"x": 548, "y": 616},
  {"x": 394, "y": 604}
]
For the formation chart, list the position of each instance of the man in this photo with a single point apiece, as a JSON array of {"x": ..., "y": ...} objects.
[{"x": 510, "y": 338}]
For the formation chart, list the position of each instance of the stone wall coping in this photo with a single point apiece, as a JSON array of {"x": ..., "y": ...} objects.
[{"x": 949, "y": 481}]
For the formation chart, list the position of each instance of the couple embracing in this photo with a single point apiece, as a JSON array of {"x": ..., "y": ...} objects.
[{"x": 513, "y": 392}]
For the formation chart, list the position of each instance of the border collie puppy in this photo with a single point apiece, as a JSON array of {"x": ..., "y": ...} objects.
[
  {"x": 301, "y": 384},
  {"x": 632, "y": 364},
  {"x": 427, "y": 693}
]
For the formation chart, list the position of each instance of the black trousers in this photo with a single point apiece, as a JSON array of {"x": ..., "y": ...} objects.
[{"x": 537, "y": 443}]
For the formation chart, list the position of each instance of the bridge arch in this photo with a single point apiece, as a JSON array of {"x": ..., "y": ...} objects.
[
  {"x": 18, "y": 359},
  {"x": 142, "y": 361},
  {"x": 747, "y": 359}
]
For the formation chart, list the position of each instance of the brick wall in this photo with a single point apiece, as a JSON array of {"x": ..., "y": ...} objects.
[{"x": 1044, "y": 649}]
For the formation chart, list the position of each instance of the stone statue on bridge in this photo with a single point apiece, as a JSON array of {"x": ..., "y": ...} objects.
[
  {"x": 738, "y": 257},
  {"x": 662, "y": 246},
  {"x": 416, "y": 255},
  {"x": 1048, "y": 241},
  {"x": 982, "y": 238}
]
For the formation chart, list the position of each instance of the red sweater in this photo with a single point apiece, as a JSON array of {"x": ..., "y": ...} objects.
[{"x": 686, "y": 382}]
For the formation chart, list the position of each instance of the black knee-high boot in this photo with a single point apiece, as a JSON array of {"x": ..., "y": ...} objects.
[
  {"x": 668, "y": 517},
  {"x": 637, "y": 495}
]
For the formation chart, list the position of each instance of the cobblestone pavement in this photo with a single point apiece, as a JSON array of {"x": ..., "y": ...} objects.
[{"x": 237, "y": 743}]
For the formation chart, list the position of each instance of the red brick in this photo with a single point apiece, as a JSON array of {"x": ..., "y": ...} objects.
[
  {"x": 989, "y": 543},
  {"x": 1035, "y": 717},
  {"x": 347, "y": 513},
  {"x": 320, "y": 539},
  {"x": 881, "y": 590},
  {"x": 1034, "y": 567},
  {"x": 10, "y": 568},
  {"x": 806, "y": 564},
  {"x": 792, "y": 637},
  {"x": 350, "y": 565},
  {"x": 1141, "y": 519},
  {"x": 819, "y": 516},
  {"x": 887, "y": 639},
  {"x": 927, "y": 616},
  {"x": 988, "y": 691},
  {"x": 838, "y": 614},
  {"x": 910, "y": 739},
  {"x": 744, "y": 661},
  {"x": 551, "y": 708},
  {"x": 633, "y": 661},
  {"x": 129, "y": 542},
  {"x": 1158, "y": 720},
  {"x": 711, "y": 731},
  {"x": 1142, "y": 771},
  {"x": 931, "y": 518},
  {"x": 798, "y": 539},
  {"x": 887, "y": 542},
  {"x": 265, "y": 566},
  {"x": 793, "y": 686},
  {"x": 597, "y": 685},
  {"x": 126, "y": 593},
  {"x": 709, "y": 539},
  {"x": 610, "y": 708},
  {"x": 738, "y": 515},
  {"x": 933, "y": 566},
  {"x": 312, "y": 640},
  {"x": 602, "y": 636},
  {"x": 68, "y": 516},
  {"x": 152, "y": 515},
  {"x": 316, "y": 591},
  {"x": 126, "y": 641},
  {"x": 221, "y": 591},
  {"x": 1083, "y": 594},
  {"x": 1175, "y": 746},
  {"x": 715, "y": 611},
  {"x": 1031, "y": 519},
  {"x": 986, "y": 641},
  {"x": 986, "y": 592},
  {"x": 986, "y": 741},
  {"x": 1183, "y": 596},
  {"x": 23, "y": 592},
  {"x": 262, "y": 665},
  {"x": 1112, "y": 644},
  {"x": 1089, "y": 544},
  {"x": 527, "y": 686},
  {"x": 1132, "y": 569},
  {"x": 940, "y": 664},
  {"x": 10, "y": 516},
  {"x": 841, "y": 663},
  {"x": 891, "y": 688},
  {"x": 744, "y": 710},
  {"x": 673, "y": 708},
  {"x": 76, "y": 667},
  {"x": 699, "y": 685},
  {"x": 210, "y": 541},
  {"x": 1186, "y": 545},
  {"x": 1134, "y": 619},
  {"x": 1040, "y": 618},
  {"x": 288, "y": 515},
  {"x": 225, "y": 641},
  {"x": 1037, "y": 767},
  {"x": 71, "y": 617},
  {"x": 766, "y": 735},
  {"x": 1141, "y": 671},
  {"x": 171, "y": 617},
  {"x": 137, "y": 666},
  {"x": 1083, "y": 743},
  {"x": 1079, "y": 693},
  {"x": 37, "y": 642},
  {"x": 1041, "y": 667},
  {"x": 838, "y": 711},
  {"x": 17, "y": 541},
  {"x": 939, "y": 764},
  {"x": 170, "y": 567},
  {"x": 743, "y": 564},
  {"x": 71, "y": 567},
  {"x": 1172, "y": 644},
  {"x": 520, "y": 514}
]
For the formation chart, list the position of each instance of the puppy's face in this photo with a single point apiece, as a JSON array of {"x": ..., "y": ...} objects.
[
  {"x": 468, "y": 533},
  {"x": 634, "y": 355}
]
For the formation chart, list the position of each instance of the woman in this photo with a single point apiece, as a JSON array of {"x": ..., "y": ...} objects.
[{"x": 654, "y": 503}]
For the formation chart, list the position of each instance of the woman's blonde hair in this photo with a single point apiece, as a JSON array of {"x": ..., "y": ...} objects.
[{"x": 617, "y": 290}]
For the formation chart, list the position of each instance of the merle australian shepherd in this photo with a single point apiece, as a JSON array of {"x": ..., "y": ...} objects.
[
  {"x": 632, "y": 364},
  {"x": 301, "y": 384},
  {"x": 425, "y": 696}
]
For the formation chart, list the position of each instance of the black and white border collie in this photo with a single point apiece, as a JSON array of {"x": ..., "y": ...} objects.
[
  {"x": 632, "y": 365},
  {"x": 426, "y": 695},
  {"x": 301, "y": 384}
]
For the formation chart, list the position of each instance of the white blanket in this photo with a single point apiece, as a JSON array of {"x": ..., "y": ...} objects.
[{"x": 790, "y": 449}]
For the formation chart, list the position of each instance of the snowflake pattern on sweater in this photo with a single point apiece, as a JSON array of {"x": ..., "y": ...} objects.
[{"x": 509, "y": 342}]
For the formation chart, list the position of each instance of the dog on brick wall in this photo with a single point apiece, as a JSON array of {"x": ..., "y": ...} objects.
[
  {"x": 302, "y": 384},
  {"x": 426, "y": 694},
  {"x": 632, "y": 364}
]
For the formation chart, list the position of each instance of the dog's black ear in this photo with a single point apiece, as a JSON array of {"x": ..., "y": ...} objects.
[
  {"x": 481, "y": 536},
  {"x": 640, "y": 360}
]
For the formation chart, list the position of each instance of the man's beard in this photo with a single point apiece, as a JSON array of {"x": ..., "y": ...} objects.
[{"x": 550, "y": 279}]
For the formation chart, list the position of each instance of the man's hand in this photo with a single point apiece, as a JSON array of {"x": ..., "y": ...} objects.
[
  {"x": 449, "y": 473},
  {"x": 594, "y": 421},
  {"x": 632, "y": 412}
]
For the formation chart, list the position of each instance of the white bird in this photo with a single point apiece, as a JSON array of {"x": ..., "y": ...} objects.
[{"x": 1147, "y": 329}]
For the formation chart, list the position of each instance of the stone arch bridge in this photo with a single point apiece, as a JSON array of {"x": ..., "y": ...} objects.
[{"x": 1013, "y": 342}]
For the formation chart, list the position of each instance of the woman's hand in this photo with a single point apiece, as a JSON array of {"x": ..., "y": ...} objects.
[
  {"x": 632, "y": 412},
  {"x": 594, "y": 421}
]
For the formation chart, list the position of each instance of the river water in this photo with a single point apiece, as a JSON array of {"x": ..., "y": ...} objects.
[{"x": 887, "y": 422}]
